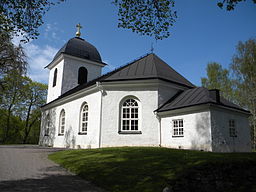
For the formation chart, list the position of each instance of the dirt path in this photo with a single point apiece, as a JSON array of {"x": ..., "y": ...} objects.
[{"x": 26, "y": 168}]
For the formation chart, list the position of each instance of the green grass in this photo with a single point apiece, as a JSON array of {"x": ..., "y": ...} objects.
[{"x": 132, "y": 169}]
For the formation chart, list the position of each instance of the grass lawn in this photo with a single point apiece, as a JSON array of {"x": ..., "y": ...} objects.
[{"x": 139, "y": 169}]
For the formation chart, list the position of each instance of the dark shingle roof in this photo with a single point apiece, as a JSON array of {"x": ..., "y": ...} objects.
[
  {"x": 195, "y": 96},
  {"x": 78, "y": 47}
]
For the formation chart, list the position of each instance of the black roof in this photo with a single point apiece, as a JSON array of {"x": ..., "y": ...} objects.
[
  {"x": 196, "y": 96},
  {"x": 150, "y": 66},
  {"x": 78, "y": 47},
  {"x": 147, "y": 67}
]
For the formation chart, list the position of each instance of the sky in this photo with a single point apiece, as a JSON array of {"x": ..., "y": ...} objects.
[{"x": 202, "y": 33}]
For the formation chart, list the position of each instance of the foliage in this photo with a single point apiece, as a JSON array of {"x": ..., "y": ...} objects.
[
  {"x": 20, "y": 107},
  {"x": 146, "y": 17},
  {"x": 244, "y": 69},
  {"x": 151, "y": 17},
  {"x": 23, "y": 16},
  {"x": 230, "y": 4},
  {"x": 218, "y": 78},
  {"x": 154, "y": 17},
  {"x": 11, "y": 57},
  {"x": 34, "y": 97},
  {"x": 130, "y": 169}
]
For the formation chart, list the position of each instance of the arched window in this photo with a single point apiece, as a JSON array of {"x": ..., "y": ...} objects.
[
  {"x": 55, "y": 77},
  {"x": 62, "y": 122},
  {"x": 47, "y": 127},
  {"x": 83, "y": 119},
  {"x": 130, "y": 115},
  {"x": 82, "y": 75}
]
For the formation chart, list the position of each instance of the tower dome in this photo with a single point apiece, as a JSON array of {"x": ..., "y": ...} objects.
[{"x": 78, "y": 47}]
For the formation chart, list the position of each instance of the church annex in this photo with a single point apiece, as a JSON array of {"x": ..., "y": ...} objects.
[{"x": 144, "y": 103}]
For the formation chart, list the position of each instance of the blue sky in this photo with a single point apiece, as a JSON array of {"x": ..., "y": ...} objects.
[{"x": 203, "y": 33}]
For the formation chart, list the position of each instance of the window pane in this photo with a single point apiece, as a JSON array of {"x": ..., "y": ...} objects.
[
  {"x": 180, "y": 123},
  {"x": 175, "y": 123},
  {"x": 180, "y": 131}
]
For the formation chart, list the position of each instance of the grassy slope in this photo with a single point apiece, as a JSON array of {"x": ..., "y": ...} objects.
[{"x": 131, "y": 169}]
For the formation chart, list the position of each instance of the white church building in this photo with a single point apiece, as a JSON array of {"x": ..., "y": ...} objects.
[{"x": 143, "y": 103}]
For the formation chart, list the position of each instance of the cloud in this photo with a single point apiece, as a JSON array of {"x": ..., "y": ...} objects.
[
  {"x": 38, "y": 58},
  {"x": 51, "y": 31}
]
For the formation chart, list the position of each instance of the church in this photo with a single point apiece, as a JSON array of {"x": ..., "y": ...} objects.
[{"x": 143, "y": 103}]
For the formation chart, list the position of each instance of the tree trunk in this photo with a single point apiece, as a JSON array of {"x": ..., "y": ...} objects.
[{"x": 27, "y": 129}]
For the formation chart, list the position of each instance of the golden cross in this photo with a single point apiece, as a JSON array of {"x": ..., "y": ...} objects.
[{"x": 78, "y": 33}]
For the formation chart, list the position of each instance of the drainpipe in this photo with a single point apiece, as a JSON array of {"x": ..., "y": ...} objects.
[
  {"x": 100, "y": 88},
  {"x": 160, "y": 129}
]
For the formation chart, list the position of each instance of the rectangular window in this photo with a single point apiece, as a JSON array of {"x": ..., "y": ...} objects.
[
  {"x": 178, "y": 129},
  {"x": 232, "y": 128}
]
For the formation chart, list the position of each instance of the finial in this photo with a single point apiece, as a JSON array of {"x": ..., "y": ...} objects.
[{"x": 78, "y": 33}]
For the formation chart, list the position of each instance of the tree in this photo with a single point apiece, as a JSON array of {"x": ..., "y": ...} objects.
[
  {"x": 11, "y": 57},
  {"x": 244, "y": 70},
  {"x": 34, "y": 98},
  {"x": 154, "y": 17},
  {"x": 147, "y": 17},
  {"x": 218, "y": 78},
  {"x": 151, "y": 17},
  {"x": 20, "y": 108},
  {"x": 23, "y": 16},
  {"x": 11, "y": 97}
]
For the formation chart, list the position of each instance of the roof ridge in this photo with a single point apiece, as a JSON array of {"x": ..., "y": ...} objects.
[
  {"x": 154, "y": 63},
  {"x": 171, "y": 68}
]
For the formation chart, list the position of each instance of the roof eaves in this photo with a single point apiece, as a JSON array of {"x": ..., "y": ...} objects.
[
  {"x": 211, "y": 103},
  {"x": 140, "y": 78}
]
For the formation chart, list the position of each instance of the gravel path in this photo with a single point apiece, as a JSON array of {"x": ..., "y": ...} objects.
[{"x": 26, "y": 168}]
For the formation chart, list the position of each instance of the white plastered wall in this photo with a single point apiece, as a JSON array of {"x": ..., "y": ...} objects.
[
  {"x": 197, "y": 131},
  {"x": 222, "y": 142},
  {"x": 55, "y": 92},
  {"x": 71, "y": 67},
  {"x": 148, "y": 123},
  {"x": 71, "y": 138}
]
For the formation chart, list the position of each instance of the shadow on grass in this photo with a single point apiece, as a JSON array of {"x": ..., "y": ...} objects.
[
  {"x": 63, "y": 183},
  {"x": 132, "y": 169}
]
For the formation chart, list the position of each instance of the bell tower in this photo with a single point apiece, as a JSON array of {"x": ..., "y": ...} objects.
[{"x": 76, "y": 63}]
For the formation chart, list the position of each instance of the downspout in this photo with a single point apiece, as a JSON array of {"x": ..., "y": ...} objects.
[
  {"x": 100, "y": 88},
  {"x": 160, "y": 129}
]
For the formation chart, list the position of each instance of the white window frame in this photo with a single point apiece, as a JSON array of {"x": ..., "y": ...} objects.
[
  {"x": 83, "y": 127},
  {"x": 232, "y": 128},
  {"x": 177, "y": 128},
  {"x": 130, "y": 116},
  {"x": 62, "y": 123}
]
